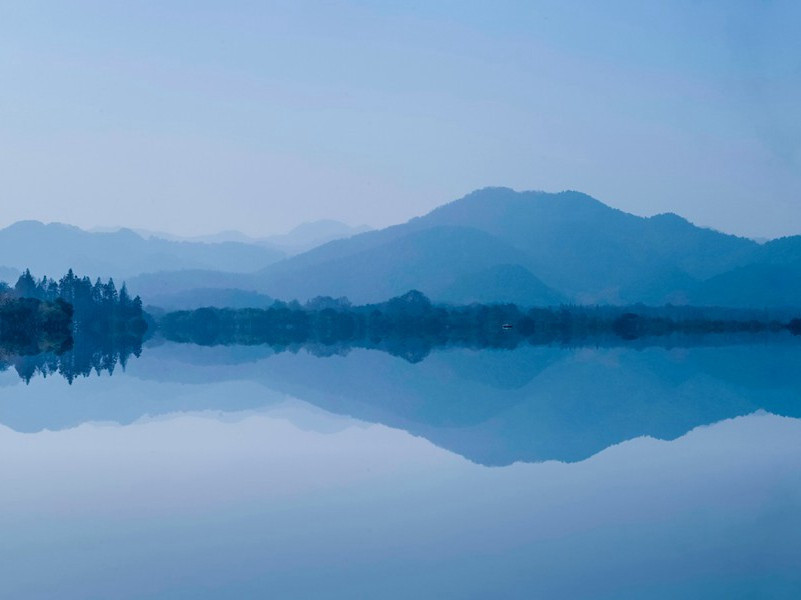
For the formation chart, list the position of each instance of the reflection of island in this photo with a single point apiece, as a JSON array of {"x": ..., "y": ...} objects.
[
  {"x": 84, "y": 354},
  {"x": 494, "y": 407}
]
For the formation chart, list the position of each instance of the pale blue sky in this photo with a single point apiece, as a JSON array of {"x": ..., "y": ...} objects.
[{"x": 197, "y": 116}]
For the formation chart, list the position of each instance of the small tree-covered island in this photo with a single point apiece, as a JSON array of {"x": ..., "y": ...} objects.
[
  {"x": 71, "y": 326},
  {"x": 97, "y": 307}
]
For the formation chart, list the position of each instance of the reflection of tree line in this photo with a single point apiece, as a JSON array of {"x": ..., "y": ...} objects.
[
  {"x": 411, "y": 326},
  {"x": 86, "y": 353},
  {"x": 71, "y": 326}
]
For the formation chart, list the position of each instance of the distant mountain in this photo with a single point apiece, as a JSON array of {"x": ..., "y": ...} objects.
[
  {"x": 164, "y": 285},
  {"x": 435, "y": 260},
  {"x": 771, "y": 277},
  {"x": 309, "y": 235},
  {"x": 565, "y": 245},
  {"x": 300, "y": 239},
  {"x": 204, "y": 297},
  {"x": 53, "y": 248},
  {"x": 536, "y": 248},
  {"x": 501, "y": 283}
]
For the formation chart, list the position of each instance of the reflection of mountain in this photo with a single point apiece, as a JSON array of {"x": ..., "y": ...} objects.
[{"x": 493, "y": 407}]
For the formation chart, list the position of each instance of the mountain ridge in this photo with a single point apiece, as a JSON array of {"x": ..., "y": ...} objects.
[
  {"x": 576, "y": 245},
  {"x": 498, "y": 244},
  {"x": 53, "y": 248}
]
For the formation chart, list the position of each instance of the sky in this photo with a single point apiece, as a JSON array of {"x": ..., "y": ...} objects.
[{"x": 193, "y": 116}]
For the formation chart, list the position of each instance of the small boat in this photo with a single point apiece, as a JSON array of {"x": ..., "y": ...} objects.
[{"x": 506, "y": 326}]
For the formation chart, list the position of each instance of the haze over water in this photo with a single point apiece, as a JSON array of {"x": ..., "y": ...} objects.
[{"x": 537, "y": 472}]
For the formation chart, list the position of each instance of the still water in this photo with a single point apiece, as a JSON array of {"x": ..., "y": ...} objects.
[{"x": 234, "y": 472}]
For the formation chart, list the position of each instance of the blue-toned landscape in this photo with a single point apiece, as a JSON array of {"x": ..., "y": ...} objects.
[{"x": 447, "y": 300}]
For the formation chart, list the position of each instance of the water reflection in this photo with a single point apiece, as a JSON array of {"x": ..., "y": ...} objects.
[
  {"x": 493, "y": 407},
  {"x": 78, "y": 356},
  {"x": 229, "y": 471},
  {"x": 194, "y": 506}
]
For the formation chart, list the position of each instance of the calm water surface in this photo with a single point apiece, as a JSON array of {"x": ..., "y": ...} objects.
[{"x": 536, "y": 473}]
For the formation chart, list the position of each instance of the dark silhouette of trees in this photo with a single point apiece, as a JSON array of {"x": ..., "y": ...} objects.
[
  {"x": 71, "y": 326},
  {"x": 98, "y": 307},
  {"x": 33, "y": 325},
  {"x": 411, "y": 325}
]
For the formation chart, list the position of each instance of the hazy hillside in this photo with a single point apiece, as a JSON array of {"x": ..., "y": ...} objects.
[
  {"x": 299, "y": 239},
  {"x": 532, "y": 248},
  {"x": 204, "y": 297},
  {"x": 52, "y": 249},
  {"x": 578, "y": 247},
  {"x": 432, "y": 261},
  {"x": 501, "y": 283},
  {"x": 310, "y": 235}
]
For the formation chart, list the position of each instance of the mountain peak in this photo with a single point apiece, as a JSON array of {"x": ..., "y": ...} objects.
[
  {"x": 32, "y": 225},
  {"x": 670, "y": 217},
  {"x": 506, "y": 194}
]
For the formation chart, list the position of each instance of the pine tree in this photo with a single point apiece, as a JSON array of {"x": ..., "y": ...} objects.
[{"x": 26, "y": 285}]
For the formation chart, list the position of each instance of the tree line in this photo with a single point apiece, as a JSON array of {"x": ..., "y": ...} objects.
[
  {"x": 68, "y": 326},
  {"x": 98, "y": 307},
  {"x": 411, "y": 325}
]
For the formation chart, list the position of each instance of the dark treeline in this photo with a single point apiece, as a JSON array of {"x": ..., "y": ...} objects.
[
  {"x": 411, "y": 325},
  {"x": 69, "y": 326},
  {"x": 30, "y": 325},
  {"x": 97, "y": 307}
]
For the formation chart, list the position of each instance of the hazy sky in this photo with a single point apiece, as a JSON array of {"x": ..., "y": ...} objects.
[{"x": 194, "y": 116}]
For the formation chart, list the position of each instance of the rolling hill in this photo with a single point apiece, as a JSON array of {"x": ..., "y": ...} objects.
[
  {"x": 52, "y": 249},
  {"x": 555, "y": 246},
  {"x": 531, "y": 248}
]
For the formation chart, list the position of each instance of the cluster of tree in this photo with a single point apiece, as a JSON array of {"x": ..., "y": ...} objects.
[
  {"x": 411, "y": 325},
  {"x": 30, "y": 325},
  {"x": 69, "y": 326},
  {"x": 97, "y": 307}
]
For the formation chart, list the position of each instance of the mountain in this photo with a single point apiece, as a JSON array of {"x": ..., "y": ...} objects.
[
  {"x": 194, "y": 298},
  {"x": 432, "y": 260},
  {"x": 564, "y": 245},
  {"x": 303, "y": 237},
  {"x": 536, "y": 248},
  {"x": 315, "y": 233},
  {"x": 501, "y": 283},
  {"x": 54, "y": 248},
  {"x": 771, "y": 277}
]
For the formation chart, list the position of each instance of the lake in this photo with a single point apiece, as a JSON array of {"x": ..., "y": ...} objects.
[{"x": 539, "y": 472}]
